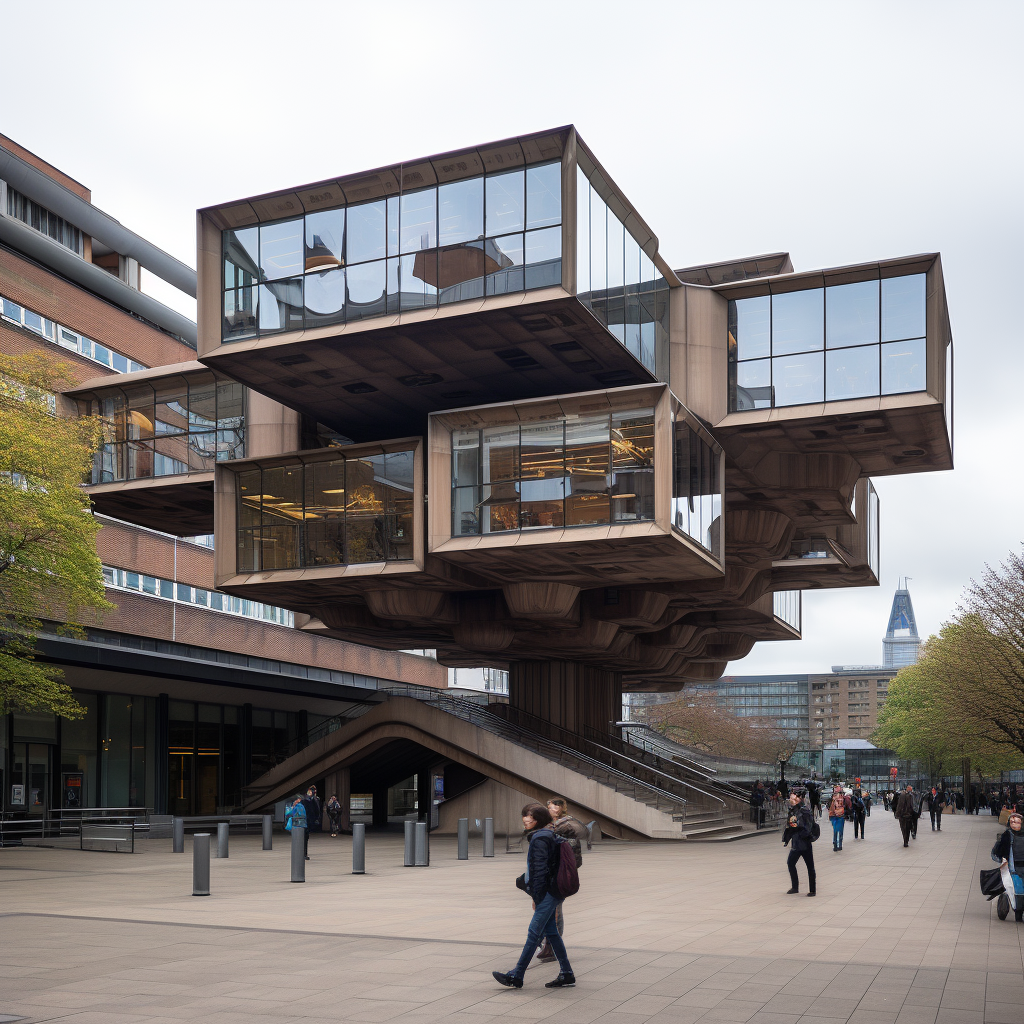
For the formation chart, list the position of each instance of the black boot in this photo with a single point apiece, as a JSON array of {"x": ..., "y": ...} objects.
[{"x": 508, "y": 980}]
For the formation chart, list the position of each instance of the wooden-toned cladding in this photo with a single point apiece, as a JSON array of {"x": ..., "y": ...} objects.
[{"x": 227, "y": 526}]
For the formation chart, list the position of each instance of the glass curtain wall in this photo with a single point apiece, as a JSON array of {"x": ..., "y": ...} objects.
[
  {"x": 204, "y": 758},
  {"x": 423, "y": 248},
  {"x": 696, "y": 488},
  {"x": 175, "y": 425},
  {"x": 616, "y": 279},
  {"x": 340, "y": 512},
  {"x": 788, "y": 606},
  {"x": 828, "y": 344},
  {"x": 580, "y": 471}
]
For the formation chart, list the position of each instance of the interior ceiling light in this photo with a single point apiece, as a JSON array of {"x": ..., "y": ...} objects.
[{"x": 334, "y": 490}]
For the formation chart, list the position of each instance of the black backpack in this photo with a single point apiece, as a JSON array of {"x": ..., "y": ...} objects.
[{"x": 565, "y": 875}]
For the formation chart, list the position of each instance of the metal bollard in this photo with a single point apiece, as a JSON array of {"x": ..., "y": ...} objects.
[
  {"x": 177, "y": 835},
  {"x": 422, "y": 845},
  {"x": 410, "y": 844},
  {"x": 201, "y": 864},
  {"x": 222, "y": 840},
  {"x": 488, "y": 837},
  {"x": 463, "y": 838},
  {"x": 298, "y": 854},
  {"x": 358, "y": 848},
  {"x": 268, "y": 831}
]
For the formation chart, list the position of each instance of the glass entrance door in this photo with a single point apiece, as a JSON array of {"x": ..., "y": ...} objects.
[{"x": 30, "y": 779}]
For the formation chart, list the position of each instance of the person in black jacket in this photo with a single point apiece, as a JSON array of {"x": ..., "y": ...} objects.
[
  {"x": 539, "y": 882},
  {"x": 1009, "y": 850},
  {"x": 799, "y": 835}
]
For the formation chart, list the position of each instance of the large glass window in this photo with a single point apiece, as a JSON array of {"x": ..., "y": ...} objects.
[
  {"x": 345, "y": 511},
  {"x": 696, "y": 488},
  {"x": 488, "y": 235},
  {"x": 615, "y": 279},
  {"x": 828, "y": 344},
  {"x": 174, "y": 426},
  {"x": 587, "y": 471}
]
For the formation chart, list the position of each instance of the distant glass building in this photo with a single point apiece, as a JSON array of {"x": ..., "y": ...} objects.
[{"x": 901, "y": 644}]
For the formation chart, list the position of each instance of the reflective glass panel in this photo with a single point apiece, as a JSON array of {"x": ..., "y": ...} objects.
[
  {"x": 543, "y": 258},
  {"x": 598, "y": 244},
  {"x": 230, "y": 404},
  {"x": 281, "y": 249},
  {"x": 365, "y": 288},
  {"x": 543, "y": 195},
  {"x": 798, "y": 380},
  {"x": 903, "y": 307},
  {"x": 465, "y": 458},
  {"x": 851, "y": 373},
  {"x": 418, "y": 278},
  {"x": 503, "y": 260},
  {"x": 140, "y": 411},
  {"x": 325, "y": 297},
  {"x": 851, "y": 314},
  {"x": 325, "y": 240},
  {"x": 239, "y": 313},
  {"x": 460, "y": 272},
  {"x": 587, "y": 463},
  {"x": 582, "y": 233},
  {"x": 366, "y": 238},
  {"x": 419, "y": 220},
  {"x": 541, "y": 452},
  {"x": 750, "y": 326},
  {"x": 202, "y": 402},
  {"x": 541, "y": 503},
  {"x": 460, "y": 211},
  {"x": 465, "y": 511},
  {"x": 798, "y": 321},
  {"x": 753, "y": 384},
  {"x": 616, "y": 252},
  {"x": 505, "y": 203},
  {"x": 171, "y": 406},
  {"x": 241, "y": 257},
  {"x": 499, "y": 510},
  {"x": 280, "y": 306},
  {"x": 501, "y": 453},
  {"x": 903, "y": 367},
  {"x": 393, "y": 223}
]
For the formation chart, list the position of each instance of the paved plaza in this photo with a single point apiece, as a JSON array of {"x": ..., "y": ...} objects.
[{"x": 665, "y": 933}]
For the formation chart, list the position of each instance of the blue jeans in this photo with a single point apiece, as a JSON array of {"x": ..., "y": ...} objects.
[
  {"x": 543, "y": 926},
  {"x": 837, "y": 832}
]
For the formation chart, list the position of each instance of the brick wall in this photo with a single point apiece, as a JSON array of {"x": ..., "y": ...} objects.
[
  {"x": 124, "y": 547},
  {"x": 166, "y": 620},
  {"x": 48, "y": 169},
  {"x": 57, "y": 299}
]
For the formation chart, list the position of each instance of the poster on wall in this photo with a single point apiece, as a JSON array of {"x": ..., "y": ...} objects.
[
  {"x": 18, "y": 795},
  {"x": 71, "y": 797}
]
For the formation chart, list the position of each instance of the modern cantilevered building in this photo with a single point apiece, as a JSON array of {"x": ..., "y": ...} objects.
[{"x": 527, "y": 442}]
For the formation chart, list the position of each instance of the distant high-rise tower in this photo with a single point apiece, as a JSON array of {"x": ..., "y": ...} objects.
[{"x": 901, "y": 644}]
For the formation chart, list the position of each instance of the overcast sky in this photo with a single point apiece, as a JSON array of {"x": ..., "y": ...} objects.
[{"x": 841, "y": 132}]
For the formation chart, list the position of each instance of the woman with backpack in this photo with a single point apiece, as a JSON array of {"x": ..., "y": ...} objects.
[
  {"x": 575, "y": 833},
  {"x": 544, "y": 858},
  {"x": 837, "y": 816}
]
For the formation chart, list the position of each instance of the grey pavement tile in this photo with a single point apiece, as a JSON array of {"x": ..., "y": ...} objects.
[
  {"x": 767, "y": 1017},
  {"x": 830, "y": 1006},
  {"x": 917, "y": 1015},
  {"x": 860, "y": 1016},
  {"x": 950, "y": 1016},
  {"x": 1003, "y": 1013},
  {"x": 706, "y": 997},
  {"x": 732, "y": 1010}
]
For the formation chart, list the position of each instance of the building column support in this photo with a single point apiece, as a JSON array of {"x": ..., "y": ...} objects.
[{"x": 567, "y": 694}]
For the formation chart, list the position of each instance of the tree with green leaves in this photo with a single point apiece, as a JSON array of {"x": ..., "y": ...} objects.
[{"x": 49, "y": 570}]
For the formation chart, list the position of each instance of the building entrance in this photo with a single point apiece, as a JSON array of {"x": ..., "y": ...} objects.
[{"x": 30, "y": 778}]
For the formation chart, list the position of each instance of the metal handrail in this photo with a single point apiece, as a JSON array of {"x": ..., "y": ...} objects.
[
  {"x": 477, "y": 715},
  {"x": 610, "y": 742}
]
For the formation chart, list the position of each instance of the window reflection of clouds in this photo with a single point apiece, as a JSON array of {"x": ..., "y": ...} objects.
[
  {"x": 788, "y": 328},
  {"x": 458, "y": 240}
]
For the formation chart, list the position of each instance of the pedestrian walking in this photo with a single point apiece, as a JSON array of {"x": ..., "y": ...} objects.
[
  {"x": 575, "y": 833},
  {"x": 799, "y": 834},
  {"x": 904, "y": 812},
  {"x": 314, "y": 809},
  {"x": 334, "y": 813},
  {"x": 295, "y": 817},
  {"x": 837, "y": 816},
  {"x": 539, "y": 882},
  {"x": 1009, "y": 851},
  {"x": 860, "y": 811}
]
